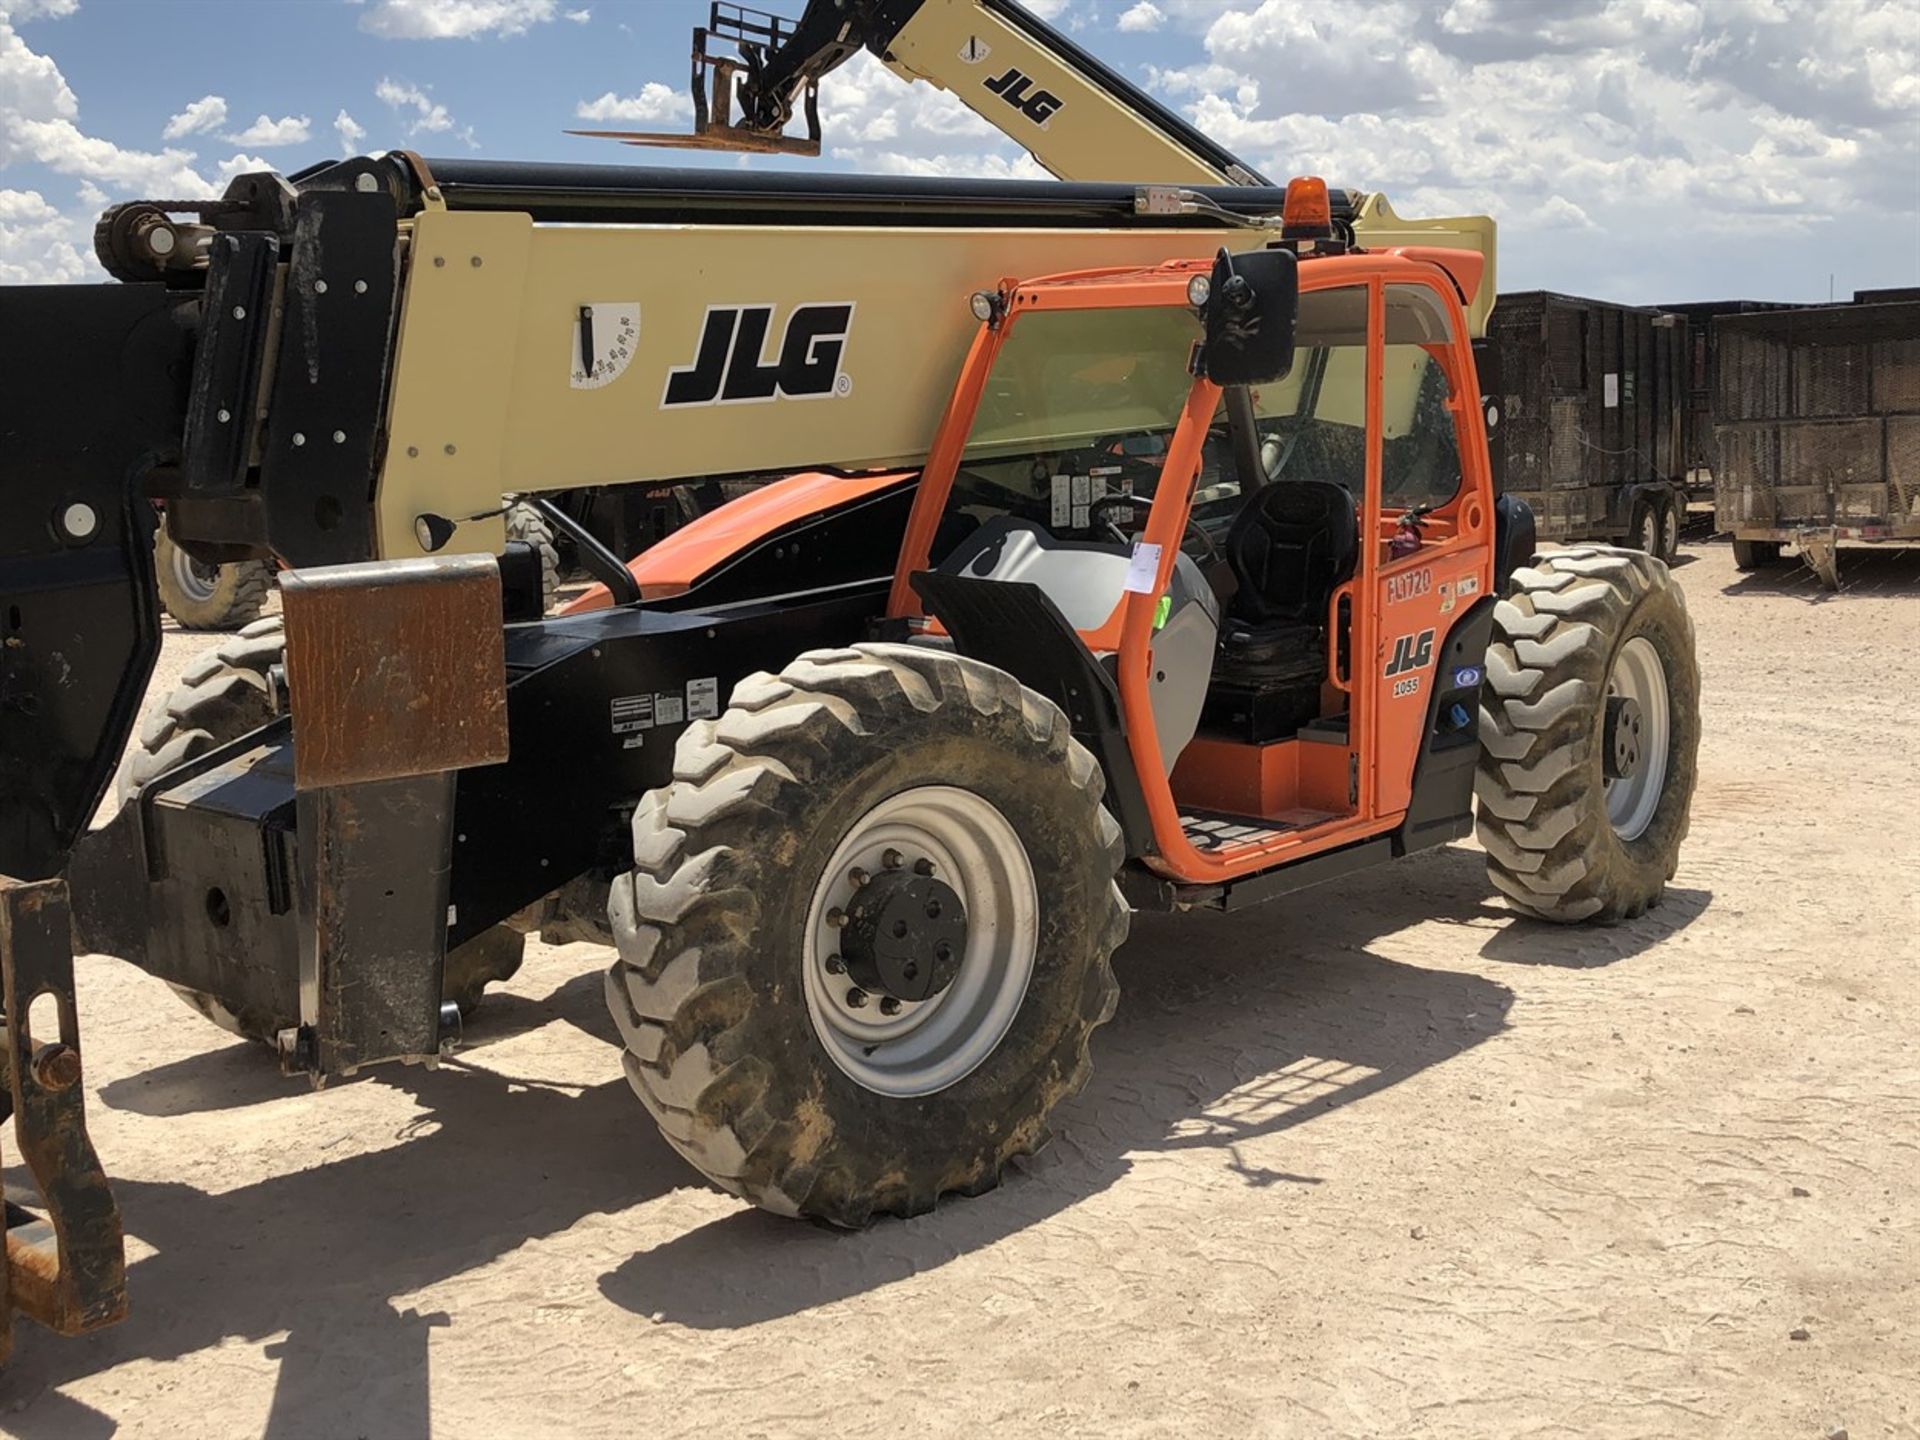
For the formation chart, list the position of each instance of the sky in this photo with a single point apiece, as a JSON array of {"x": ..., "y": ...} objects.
[{"x": 1644, "y": 151}]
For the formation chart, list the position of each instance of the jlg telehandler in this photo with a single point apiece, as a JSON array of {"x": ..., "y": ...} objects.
[{"x": 881, "y": 886}]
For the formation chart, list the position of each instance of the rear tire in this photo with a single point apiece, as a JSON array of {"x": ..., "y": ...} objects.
[
  {"x": 528, "y": 524},
  {"x": 1755, "y": 554},
  {"x": 725, "y": 1002},
  {"x": 221, "y": 697},
  {"x": 1563, "y": 842},
  {"x": 209, "y": 597}
]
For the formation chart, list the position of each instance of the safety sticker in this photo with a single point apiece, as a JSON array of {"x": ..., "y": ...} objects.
[
  {"x": 668, "y": 709},
  {"x": 1446, "y": 597},
  {"x": 631, "y": 713},
  {"x": 1143, "y": 569},
  {"x": 1465, "y": 676},
  {"x": 1062, "y": 501},
  {"x": 1467, "y": 585},
  {"x": 703, "y": 698}
]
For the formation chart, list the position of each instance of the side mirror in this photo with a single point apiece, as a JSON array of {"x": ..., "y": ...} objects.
[{"x": 1252, "y": 304}]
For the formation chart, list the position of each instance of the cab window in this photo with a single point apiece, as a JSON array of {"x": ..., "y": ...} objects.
[{"x": 1420, "y": 447}]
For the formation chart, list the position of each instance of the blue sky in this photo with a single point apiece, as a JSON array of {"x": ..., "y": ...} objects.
[{"x": 1642, "y": 150}]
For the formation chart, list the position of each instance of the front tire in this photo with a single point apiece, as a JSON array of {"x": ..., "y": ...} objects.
[
  {"x": 1590, "y": 732},
  {"x": 744, "y": 1037},
  {"x": 1755, "y": 554}
]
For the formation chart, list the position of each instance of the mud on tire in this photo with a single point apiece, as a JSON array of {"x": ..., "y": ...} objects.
[
  {"x": 221, "y": 696},
  {"x": 709, "y": 988},
  {"x": 1543, "y": 816}
]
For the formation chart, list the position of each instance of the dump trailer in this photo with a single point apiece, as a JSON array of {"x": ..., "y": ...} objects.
[
  {"x": 1817, "y": 423},
  {"x": 1587, "y": 414}
]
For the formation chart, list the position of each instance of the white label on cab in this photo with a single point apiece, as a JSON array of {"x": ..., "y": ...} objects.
[{"x": 1143, "y": 569}]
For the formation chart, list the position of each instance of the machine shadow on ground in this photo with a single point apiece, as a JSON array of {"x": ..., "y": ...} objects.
[{"x": 1232, "y": 1030}]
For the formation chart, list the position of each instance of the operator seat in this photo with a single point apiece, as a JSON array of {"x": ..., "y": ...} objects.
[{"x": 1293, "y": 543}]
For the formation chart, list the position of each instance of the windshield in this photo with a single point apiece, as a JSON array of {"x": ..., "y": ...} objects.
[{"x": 1081, "y": 405}]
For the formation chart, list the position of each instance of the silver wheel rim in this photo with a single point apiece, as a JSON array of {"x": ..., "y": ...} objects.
[
  {"x": 933, "y": 1043},
  {"x": 1649, "y": 532},
  {"x": 1670, "y": 532},
  {"x": 1639, "y": 676},
  {"x": 196, "y": 581}
]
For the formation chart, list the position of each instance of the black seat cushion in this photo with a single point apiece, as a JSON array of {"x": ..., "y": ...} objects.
[{"x": 1293, "y": 542}]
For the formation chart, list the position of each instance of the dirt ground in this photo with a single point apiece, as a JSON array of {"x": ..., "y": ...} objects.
[{"x": 1376, "y": 1160}]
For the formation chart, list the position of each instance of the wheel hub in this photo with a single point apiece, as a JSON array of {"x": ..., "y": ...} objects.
[
  {"x": 893, "y": 1011},
  {"x": 1622, "y": 742},
  {"x": 906, "y": 931}
]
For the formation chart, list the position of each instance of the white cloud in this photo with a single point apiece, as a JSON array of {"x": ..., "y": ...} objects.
[
  {"x": 287, "y": 130},
  {"x": 36, "y": 242},
  {"x": 209, "y": 112},
  {"x": 653, "y": 102},
  {"x": 429, "y": 116},
  {"x": 871, "y": 121},
  {"x": 578, "y": 17},
  {"x": 350, "y": 131},
  {"x": 1143, "y": 16},
  {"x": 1643, "y": 150},
  {"x": 37, "y": 9},
  {"x": 455, "y": 19}
]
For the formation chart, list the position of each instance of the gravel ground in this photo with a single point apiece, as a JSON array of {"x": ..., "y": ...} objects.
[{"x": 1377, "y": 1160}]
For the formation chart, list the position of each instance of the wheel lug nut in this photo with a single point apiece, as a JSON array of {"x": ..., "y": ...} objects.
[
  {"x": 836, "y": 917},
  {"x": 890, "y": 1006},
  {"x": 858, "y": 876},
  {"x": 923, "y": 867},
  {"x": 891, "y": 859},
  {"x": 857, "y": 998},
  {"x": 835, "y": 965}
]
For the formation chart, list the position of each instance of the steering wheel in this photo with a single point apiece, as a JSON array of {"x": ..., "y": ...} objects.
[{"x": 1095, "y": 514}]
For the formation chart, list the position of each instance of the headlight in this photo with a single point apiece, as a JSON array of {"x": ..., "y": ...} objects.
[{"x": 1199, "y": 288}]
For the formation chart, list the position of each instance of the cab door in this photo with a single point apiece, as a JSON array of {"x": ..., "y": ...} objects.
[{"x": 1428, "y": 524}]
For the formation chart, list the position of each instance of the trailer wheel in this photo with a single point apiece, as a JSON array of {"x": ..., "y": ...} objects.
[
  {"x": 1589, "y": 731},
  {"x": 1670, "y": 516},
  {"x": 221, "y": 697},
  {"x": 1643, "y": 530},
  {"x": 1755, "y": 554},
  {"x": 209, "y": 597},
  {"x": 528, "y": 524},
  {"x": 867, "y": 935}
]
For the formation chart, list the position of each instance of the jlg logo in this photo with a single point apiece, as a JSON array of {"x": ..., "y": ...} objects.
[
  {"x": 731, "y": 367},
  {"x": 1411, "y": 652},
  {"x": 1016, "y": 88}
]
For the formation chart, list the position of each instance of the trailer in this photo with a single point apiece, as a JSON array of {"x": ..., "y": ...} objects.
[
  {"x": 1587, "y": 415},
  {"x": 1817, "y": 424}
]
